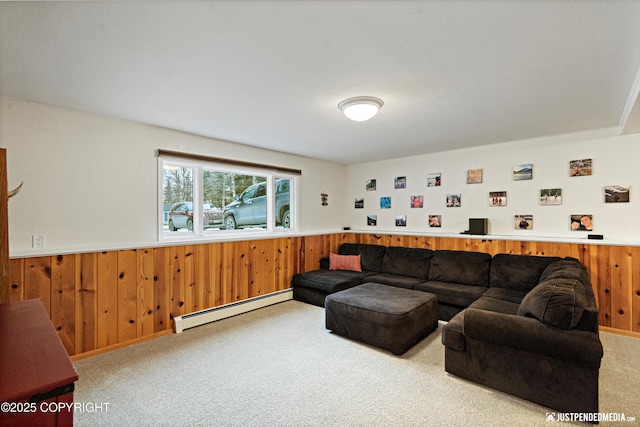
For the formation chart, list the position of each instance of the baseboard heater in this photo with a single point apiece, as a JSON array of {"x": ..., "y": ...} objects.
[{"x": 197, "y": 318}]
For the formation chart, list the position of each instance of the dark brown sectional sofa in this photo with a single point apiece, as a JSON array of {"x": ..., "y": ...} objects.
[{"x": 525, "y": 325}]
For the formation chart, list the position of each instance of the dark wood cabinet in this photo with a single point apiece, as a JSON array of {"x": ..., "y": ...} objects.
[{"x": 36, "y": 375}]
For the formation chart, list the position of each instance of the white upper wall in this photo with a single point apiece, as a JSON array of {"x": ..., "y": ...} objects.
[
  {"x": 615, "y": 162},
  {"x": 90, "y": 182}
]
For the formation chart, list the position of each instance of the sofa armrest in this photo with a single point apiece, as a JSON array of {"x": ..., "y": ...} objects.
[{"x": 531, "y": 335}]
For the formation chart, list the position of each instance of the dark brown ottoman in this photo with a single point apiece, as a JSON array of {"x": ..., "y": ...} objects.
[{"x": 393, "y": 319}]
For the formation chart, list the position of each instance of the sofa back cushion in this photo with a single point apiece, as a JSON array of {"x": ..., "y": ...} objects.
[
  {"x": 412, "y": 262},
  {"x": 370, "y": 255},
  {"x": 557, "y": 302},
  {"x": 518, "y": 272},
  {"x": 464, "y": 267}
]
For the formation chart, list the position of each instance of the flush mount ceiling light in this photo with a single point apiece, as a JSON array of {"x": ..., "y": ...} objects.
[{"x": 360, "y": 108}]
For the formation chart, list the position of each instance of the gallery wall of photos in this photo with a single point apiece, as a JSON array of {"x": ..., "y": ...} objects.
[{"x": 374, "y": 201}]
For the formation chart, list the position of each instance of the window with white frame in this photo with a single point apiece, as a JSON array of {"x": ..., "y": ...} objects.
[{"x": 203, "y": 197}]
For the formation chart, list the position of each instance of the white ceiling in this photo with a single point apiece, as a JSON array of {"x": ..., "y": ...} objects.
[{"x": 270, "y": 74}]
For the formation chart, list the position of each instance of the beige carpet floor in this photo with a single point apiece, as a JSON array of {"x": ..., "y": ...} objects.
[{"x": 279, "y": 366}]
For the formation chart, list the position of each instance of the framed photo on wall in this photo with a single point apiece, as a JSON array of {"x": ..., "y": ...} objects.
[
  {"x": 370, "y": 185},
  {"x": 551, "y": 196},
  {"x": 616, "y": 193},
  {"x": 523, "y": 222},
  {"x": 582, "y": 222},
  {"x": 434, "y": 179},
  {"x": 435, "y": 220},
  {"x": 454, "y": 200},
  {"x": 580, "y": 167},
  {"x": 497, "y": 198},
  {"x": 474, "y": 176},
  {"x": 523, "y": 172}
]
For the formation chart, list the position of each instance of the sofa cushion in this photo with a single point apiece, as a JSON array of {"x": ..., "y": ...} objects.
[
  {"x": 412, "y": 262},
  {"x": 452, "y": 293},
  {"x": 520, "y": 272},
  {"x": 557, "y": 302},
  {"x": 495, "y": 305},
  {"x": 463, "y": 267},
  {"x": 344, "y": 262},
  {"x": 371, "y": 255},
  {"x": 510, "y": 295},
  {"x": 329, "y": 281},
  {"x": 394, "y": 280},
  {"x": 569, "y": 268}
]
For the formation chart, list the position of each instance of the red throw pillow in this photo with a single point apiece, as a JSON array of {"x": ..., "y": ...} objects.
[{"x": 344, "y": 262}]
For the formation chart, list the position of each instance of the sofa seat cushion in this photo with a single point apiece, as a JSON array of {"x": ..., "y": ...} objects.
[
  {"x": 496, "y": 305},
  {"x": 394, "y": 280},
  {"x": 509, "y": 295},
  {"x": 452, "y": 293},
  {"x": 330, "y": 281},
  {"x": 370, "y": 255},
  {"x": 556, "y": 302},
  {"x": 519, "y": 272},
  {"x": 411, "y": 262}
]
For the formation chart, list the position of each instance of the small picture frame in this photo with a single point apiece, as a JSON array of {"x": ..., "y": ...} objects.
[
  {"x": 497, "y": 198},
  {"x": 401, "y": 221},
  {"x": 435, "y": 221},
  {"x": 454, "y": 200},
  {"x": 359, "y": 203},
  {"x": 581, "y": 222},
  {"x": 370, "y": 185},
  {"x": 616, "y": 193},
  {"x": 551, "y": 196},
  {"x": 474, "y": 176},
  {"x": 400, "y": 182},
  {"x": 434, "y": 179},
  {"x": 372, "y": 220},
  {"x": 417, "y": 201},
  {"x": 385, "y": 202},
  {"x": 523, "y": 172},
  {"x": 523, "y": 222},
  {"x": 583, "y": 167}
]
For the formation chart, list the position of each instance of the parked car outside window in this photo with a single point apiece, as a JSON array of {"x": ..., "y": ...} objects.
[
  {"x": 181, "y": 216},
  {"x": 250, "y": 208}
]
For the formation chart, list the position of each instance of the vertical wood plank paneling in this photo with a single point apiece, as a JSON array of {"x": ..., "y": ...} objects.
[
  {"x": 104, "y": 298},
  {"x": 37, "y": 279},
  {"x": 63, "y": 299},
  {"x": 241, "y": 271},
  {"x": 86, "y": 302},
  {"x": 127, "y": 295},
  {"x": 191, "y": 302},
  {"x": 107, "y": 288},
  {"x": 161, "y": 289},
  {"x": 216, "y": 254},
  {"x": 15, "y": 290},
  {"x": 204, "y": 290},
  {"x": 621, "y": 276},
  {"x": 176, "y": 262},
  {"x": 635, "y": 285},
  {"x": 145, "y": 295}
]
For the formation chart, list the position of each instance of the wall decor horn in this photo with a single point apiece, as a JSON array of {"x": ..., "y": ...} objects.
[{"x": 15, "y": 190}]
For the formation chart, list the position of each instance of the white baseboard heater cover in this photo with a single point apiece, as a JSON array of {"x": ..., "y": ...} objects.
[{"x": 197, "y": 318}]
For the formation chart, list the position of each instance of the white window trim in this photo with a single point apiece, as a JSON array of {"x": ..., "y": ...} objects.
[{"x": 199, "y": 233}]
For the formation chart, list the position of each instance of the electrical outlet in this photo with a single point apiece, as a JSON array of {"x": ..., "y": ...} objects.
[{"x": 38, "y": 241}]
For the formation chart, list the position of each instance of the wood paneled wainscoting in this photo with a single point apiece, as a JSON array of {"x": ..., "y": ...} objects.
[{"x": 103, "y": 300}]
